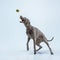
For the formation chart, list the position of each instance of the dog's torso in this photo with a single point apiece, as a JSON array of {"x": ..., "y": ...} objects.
[{"x": 30, "y": 33}]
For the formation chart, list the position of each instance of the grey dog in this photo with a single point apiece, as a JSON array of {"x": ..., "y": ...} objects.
[{"x": 35, "y": 34}]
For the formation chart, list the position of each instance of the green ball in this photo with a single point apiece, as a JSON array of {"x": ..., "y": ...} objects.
[{"x": 17, "y": 10}]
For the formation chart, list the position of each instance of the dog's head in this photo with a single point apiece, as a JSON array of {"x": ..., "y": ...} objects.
[{"x": 25, "y": 21}]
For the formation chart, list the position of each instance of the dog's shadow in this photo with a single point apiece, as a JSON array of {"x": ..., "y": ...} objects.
[
  {"x": 31, "y": 52},
  {"x": 39, "y": 52},
  {"x": 43, "y": 52}
]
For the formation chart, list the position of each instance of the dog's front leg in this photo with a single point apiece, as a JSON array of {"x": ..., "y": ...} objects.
[{"x": 27, "y": 43}]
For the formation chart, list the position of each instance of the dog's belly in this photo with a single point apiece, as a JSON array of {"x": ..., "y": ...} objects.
[
  {"x": 31, "y": 36},
  {"x": 39, "y": 39}
]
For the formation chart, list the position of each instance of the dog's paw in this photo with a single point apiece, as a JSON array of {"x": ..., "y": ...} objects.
[
  {"x": 34, "y": 53},
  {"x": 27, "y": 49},
  {"x": 52, "y": 53}
]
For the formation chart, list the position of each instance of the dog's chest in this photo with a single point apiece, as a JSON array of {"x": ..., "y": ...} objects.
[{"x": 30, "y": 32}]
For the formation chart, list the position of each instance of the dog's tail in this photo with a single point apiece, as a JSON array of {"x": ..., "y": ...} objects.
[{"x": 51, "y": 39}]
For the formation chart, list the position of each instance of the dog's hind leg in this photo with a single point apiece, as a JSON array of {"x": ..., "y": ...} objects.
[
  {"x": 38, "y": 41},
  {"x": 48, "y": 46},
  {"x": 39, "y": 47}
]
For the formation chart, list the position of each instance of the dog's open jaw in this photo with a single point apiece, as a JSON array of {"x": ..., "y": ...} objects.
[{"x": 22, "y": 20}]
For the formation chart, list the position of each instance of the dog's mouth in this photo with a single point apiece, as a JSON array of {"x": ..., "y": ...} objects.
[{"x": 22, "y": 19}]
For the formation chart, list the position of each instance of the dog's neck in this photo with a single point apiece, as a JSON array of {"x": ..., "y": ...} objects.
[{"x": 29, "y": 27}]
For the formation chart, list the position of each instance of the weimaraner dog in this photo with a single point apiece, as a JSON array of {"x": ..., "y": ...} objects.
[{"x": 35, "y": 34}]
